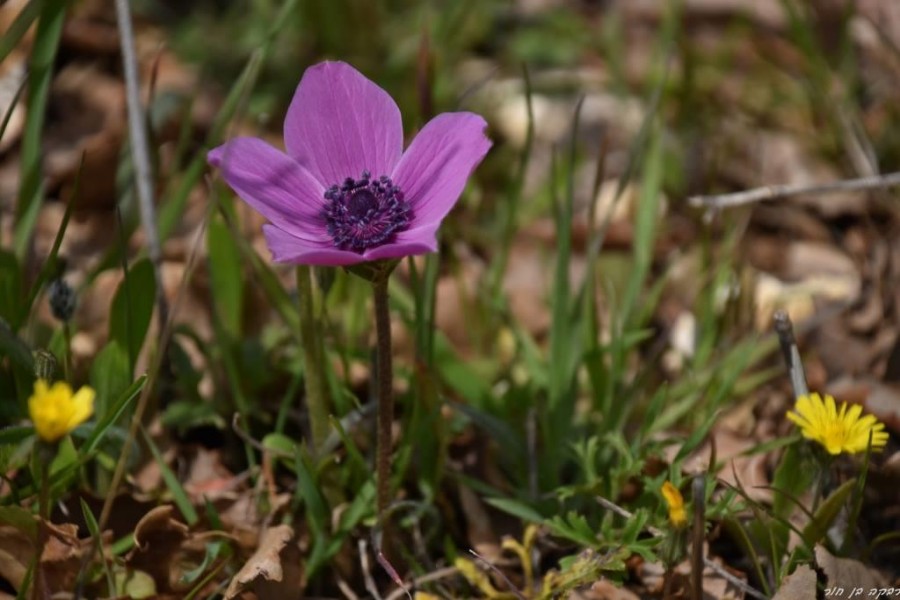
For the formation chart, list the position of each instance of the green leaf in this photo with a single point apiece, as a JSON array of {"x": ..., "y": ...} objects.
[
  {"x": 15, "y": 434},
  {"x": 182, "y": 415},
  {"x": 110, "y": 374},
  {"x": 132, "y": 308},
  {"x": 109, "y": 418},
  {"x": 574, "y": 527},
  {"x": 516, "y": 509},
  {"x": 20, "y": 518},
  {"x": 94, "y": 530},
  {"x": 362, "y": 506},
  {"x": 213, "y": 549},
  {"x": 817, "y": 528},
  {"x": 280, "y": 445},
  {"x": 226, "y": 276},
  {"x": 179, "y": 496},
  {"x": 135, "y": 584},
  {"x": 43, "y": 54},
  {"x": 11, "y": 308},
  {"x": 66, "y": 458},
  {"x": 17, "y": 29},
  {"x": 794, "y": 475},
  {"x": 316, "y": 506}
]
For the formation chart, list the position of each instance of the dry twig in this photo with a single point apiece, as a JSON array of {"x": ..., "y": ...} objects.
[
  {"x": 140, "y": 153},
  {"x": 771, "y": 192}
]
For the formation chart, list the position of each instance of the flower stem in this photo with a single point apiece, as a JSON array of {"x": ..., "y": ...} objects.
[
  {"x": 385, "y": 393},
  {"x": 44, "y": 457},
  {"x": 313, "y": 360},
  {"x": 67, "y": 363}
]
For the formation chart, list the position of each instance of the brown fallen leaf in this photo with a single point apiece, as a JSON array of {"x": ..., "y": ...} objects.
[
  {"x": 207, "y": 476},
  {"x": 843, "y": 575},
  {"x": 60, "y": 559},
  {"x": 16, "y": 550},
  {"x": 274, "y": 571},
  {"x": 158, "y": 538},
  {"x": 799, "y": 585},
  {"x": 90, "y": 124}
]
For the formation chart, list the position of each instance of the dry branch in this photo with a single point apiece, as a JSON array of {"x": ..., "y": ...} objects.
[{"x": 771, "y": 192}]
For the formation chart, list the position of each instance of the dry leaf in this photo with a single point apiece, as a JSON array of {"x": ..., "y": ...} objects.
[
  {"x": 843, "y": 575},
  {"x": 16, "y": 551},
  {"x": 799, "y": 585},
  {"x": 60, "y": 560},
  {"x": 158, "y": 539},
  {"x": 274, "y": 571}
]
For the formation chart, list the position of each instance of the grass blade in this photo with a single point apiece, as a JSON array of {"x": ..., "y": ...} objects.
[{"x": 46, "y": 45}]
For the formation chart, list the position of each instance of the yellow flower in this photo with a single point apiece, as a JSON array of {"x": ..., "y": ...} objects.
[
  {"x": 55, "y": 411},
  {"x": 675, "y": 501},
  {"x": 837, "y": 430}
]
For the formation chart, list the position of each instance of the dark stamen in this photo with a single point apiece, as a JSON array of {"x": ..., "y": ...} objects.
[{"x": 365, "y": 213}]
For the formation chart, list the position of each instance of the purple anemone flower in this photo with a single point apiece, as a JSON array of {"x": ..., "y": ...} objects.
[{"x": 345, "y": 192}]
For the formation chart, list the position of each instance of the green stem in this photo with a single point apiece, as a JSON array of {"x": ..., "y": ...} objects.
[
  {"x": 67, "y": 363},
  {"x": 385, "y": 393},
  {"x": 44, "y": 457},
  {"x": 313, "y": 360}
]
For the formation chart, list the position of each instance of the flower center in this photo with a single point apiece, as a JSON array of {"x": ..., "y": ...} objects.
[
  {"x": 834, "y": 435},
  {"x": 365, "y": 213}
]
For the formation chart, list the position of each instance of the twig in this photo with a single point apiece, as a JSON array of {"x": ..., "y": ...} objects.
[
  {"x": 706, "y": 561},
  {"x": 785, "y": 330},
  {"x": 771, "y": 192},
  {"x": 345, "y": 588},
  {"x": 140, "y": 154},
  {"x": 363, "y": 549},
  {"x": 500, "y": 574},
  {"x": 423, "y": 579}
]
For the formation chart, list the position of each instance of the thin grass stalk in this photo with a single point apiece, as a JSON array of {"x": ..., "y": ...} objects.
[
  {"x": 140, "y": 153},
  {"x": 313, "y": 360}
]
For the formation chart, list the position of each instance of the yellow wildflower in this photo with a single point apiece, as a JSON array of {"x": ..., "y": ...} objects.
[
  {"x": 55, "y": 411},
  {"x": 837, "y": 430},
  {"x": 675, "y": 502}
]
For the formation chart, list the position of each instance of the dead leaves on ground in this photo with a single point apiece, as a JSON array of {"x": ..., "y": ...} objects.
[{"x": 168, "y": 559}]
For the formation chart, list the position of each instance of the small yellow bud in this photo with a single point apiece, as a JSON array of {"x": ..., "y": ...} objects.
[{"x": 675, "y": 502}]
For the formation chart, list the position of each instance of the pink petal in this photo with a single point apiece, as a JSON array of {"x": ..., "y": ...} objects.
[
  {"x": 286, "y": 248},
  {"x": 433, "y": 171},
  {"x": 274, "y": 185},
  {"x": 340, "y": 124},
  {"x": 421, "y": 240}
]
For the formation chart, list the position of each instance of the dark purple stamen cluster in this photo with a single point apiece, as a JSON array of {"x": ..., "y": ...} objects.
[{"x": 365, "y": 213}]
